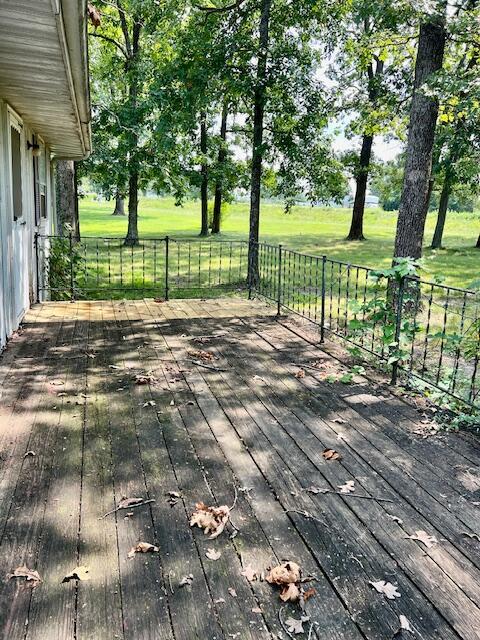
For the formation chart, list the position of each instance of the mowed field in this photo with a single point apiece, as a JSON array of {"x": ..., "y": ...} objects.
[{"x": 311, "y": 230}]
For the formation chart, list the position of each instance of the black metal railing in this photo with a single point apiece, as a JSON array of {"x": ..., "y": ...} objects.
[
  {"x": 427, "y": 332},
  {"x": 98, "y": 267}
]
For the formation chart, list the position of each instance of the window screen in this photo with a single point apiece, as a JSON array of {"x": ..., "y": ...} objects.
[{"x": 16, "y": 173}]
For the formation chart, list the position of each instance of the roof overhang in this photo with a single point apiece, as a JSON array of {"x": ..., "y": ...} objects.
[{"x": 44, "y": 71}]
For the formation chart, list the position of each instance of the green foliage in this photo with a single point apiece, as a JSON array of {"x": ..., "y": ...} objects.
[{"x": 64, "y": 266}]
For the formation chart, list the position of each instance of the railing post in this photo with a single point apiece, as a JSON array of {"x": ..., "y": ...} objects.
[
  {"x": 398, "y": 326},
  {"x": 279, "y": 280},
  {"x": 72, "y": 279},
  {"x": 322, "y": 309},
  {"x": 37, "y": 267},
  {"x": 167, "y": 242}
]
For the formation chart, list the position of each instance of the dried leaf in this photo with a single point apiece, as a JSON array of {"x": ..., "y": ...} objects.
[
  {"x": 348, "y": 487},
  {"x": 79, "y": 573},
  {"x": 296, "y": 626},
  {"x": 145, "y": 378},
  {"x": 219, "y": 601},
  {"x": 57, "y": 383},
  {"x": 424, "y": 537},
  {"x": 159, "y": 300},
  {"x": 300, "y": 374},
  {"x": 211, "y": 519},
  {"x": 308, "y": 593},
  {"x": 232, "y": 592},
  {"x": 405, "y": 624},
  {"x": 256, "y": 610},
  {"x": 290, "y": 593},
  {"x": 32, "y": 577},
  {"x": 387, "y": 588},
  {"x": 143, "y": 547},
  {"x": 284, "y": 574},
  {"x": 186, "y": 580},
  {"x": 250, "y": 573},
  {"x": 149, "y": 403},
  {"x": 200, "y": 354},
  {"x": 315, "y": 490},
  {"x": 331, "y": 454},
  {"x": 125, "y": 503},
  {"x": 213, "y": 554},
  {"x": 30, "y": 454}
]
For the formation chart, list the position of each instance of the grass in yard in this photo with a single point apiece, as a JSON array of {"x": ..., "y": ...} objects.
[{"x": 311, "y": 230}]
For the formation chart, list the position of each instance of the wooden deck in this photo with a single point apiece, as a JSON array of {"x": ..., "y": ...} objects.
[{"x": 78, "y": 434}]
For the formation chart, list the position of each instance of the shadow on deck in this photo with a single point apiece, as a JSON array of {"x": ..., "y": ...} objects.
[{"x": 239, "y": 410}]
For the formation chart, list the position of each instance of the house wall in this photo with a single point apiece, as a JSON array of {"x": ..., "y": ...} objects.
[{"x": 17, "y": 249}]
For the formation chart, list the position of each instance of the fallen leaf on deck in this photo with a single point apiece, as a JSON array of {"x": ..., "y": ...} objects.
[
  {"x": 387, "y": 588},
  {"x": 114, "y": 366},
  {"x": 211, "y": 519},
  {"x": 149, "y": 403},
  {"x": 405, "y": 624},
  {"x": 424, "y": 537},
  {"x": 30, "y": 453},
  {"x": 143, "y": 547},
  {"x": 232, "y": 592},
  {"x": 159, "y": 300},
  {"x": 172, "y": 403},
  {"x": 256, "y": 610},
  {"x": 348, "y": 487},
  {"x": 186, "y": 580},
  {"x": 300, "y": 374},
  {"x": 57, "y": 382},
  {"x": 331, "y": 454},
  {"x": 31, "y": 576},
  {"x": 285, "y": 573},
  {"x": 296, "y": 626},
  {"x": 395, "y": 518},
  {"x": 219, "y": 601},
  {"x": 290, "y": 593},
  {"x": 79, "y": 573},
  {"x": 144, "y": 378},
  {"x": 339, "y": 420},
  {"x": 173, "y": 497},
  {"x": 213, "y": 554},
  {"x": 206, "y": 356},
  {"x": 309, "y": 593},
  {"x": 250, "y": 573},
  {"x": 315, "y": 490}
]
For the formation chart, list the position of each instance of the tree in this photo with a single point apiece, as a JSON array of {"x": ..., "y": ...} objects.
[
  {"x": 220, "y": 182},
  {"x": 122, "y": 62},
  {"x": 370, "y": 69},
  {"x": 67, "y": 198},
  {"x": 418, "y": 156},
  {"x": 386, "y": 182}
]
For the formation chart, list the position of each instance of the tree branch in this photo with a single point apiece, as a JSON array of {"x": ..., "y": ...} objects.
[
  {"x": 95, "y": 34},
  {"x": 228, "y": 7}
]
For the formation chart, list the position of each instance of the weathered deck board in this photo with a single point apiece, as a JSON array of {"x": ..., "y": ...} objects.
[{"x": 250, "y": 428}]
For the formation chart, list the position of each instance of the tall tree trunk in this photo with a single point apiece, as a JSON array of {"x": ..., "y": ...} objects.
[
  {"x": 222, "y": 155},
  {"x": 133, "y": 48},
  {"x": 131, "y": 239},
  {"x": 204, "y": 172},
  {"x": 119, "y": 206},
  {"x": 477, "y": 246},
  {"x": 423, "y": 117},
  {"x": 67, "y": 199},
  {"x": 442, "y": 210},
  {"x": 257, "y": 142},
  {"x": 356, "y": 227}
]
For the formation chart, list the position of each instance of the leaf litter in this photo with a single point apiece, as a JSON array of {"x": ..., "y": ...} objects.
[
  {"x": 128, "y": 503},
  {"x": 32, "y": 577},
  {"x": 143, "y": 547},
  {"x": 79, "y": 573},
  {"x": 387, "y": 588}
]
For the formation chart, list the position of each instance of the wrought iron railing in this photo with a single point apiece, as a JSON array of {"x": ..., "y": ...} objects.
[
  {"x": 104, "y": 267},
  {"x": 427, "y": 332}
]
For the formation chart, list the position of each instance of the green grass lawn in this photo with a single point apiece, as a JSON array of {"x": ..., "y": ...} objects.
[{"x": 311, "y": 230}]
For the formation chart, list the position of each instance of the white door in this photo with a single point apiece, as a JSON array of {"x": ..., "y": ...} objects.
[{"x": 18, "y": 249}]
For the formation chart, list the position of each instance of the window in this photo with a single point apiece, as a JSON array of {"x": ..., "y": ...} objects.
[
  {"x": 16, "y": 152},
  {"x": 40, "y": 184}
]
